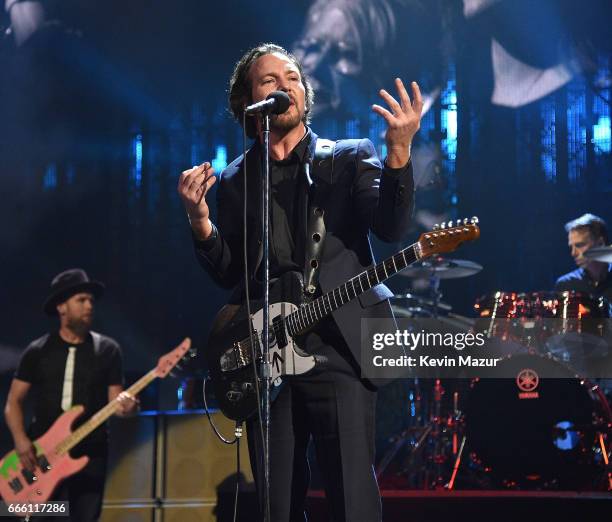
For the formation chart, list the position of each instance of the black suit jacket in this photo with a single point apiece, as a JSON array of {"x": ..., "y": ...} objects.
[{"x": 362, "y": 196}]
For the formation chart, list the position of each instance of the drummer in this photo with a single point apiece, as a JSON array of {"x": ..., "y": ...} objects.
[{"x": 592, "y": 277}]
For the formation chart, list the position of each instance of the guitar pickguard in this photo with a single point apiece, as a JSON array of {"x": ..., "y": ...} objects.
[
  {"x": 229, "y": 357},
  {"x": 285, "y": 357}
]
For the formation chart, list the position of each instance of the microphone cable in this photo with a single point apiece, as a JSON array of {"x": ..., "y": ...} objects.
[{"x": 235, "y": 440}]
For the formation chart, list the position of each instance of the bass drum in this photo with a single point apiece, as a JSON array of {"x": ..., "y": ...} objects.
[{"x": 532, "y": 433}]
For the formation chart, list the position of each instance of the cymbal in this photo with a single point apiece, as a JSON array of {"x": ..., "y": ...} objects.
[
  {"x": 603, "y": 254},
  {"x": 443, "y": 268},
  {"x": 418, "y": 300}
]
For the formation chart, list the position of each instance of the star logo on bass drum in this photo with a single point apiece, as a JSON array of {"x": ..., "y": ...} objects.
[{"x": 527, "y": 381}]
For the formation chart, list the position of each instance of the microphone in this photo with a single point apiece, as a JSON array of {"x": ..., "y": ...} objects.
[{"x": 277, "y": 102}]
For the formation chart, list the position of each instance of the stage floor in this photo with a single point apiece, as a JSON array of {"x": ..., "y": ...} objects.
[{"x": 477, "y": 506}]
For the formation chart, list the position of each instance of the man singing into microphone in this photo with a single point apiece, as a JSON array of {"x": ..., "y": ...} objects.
[{"x": 354, "y": 194}]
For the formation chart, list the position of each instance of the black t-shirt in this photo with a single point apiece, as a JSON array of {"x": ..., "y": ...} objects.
[{"x": 43, "y": 364}]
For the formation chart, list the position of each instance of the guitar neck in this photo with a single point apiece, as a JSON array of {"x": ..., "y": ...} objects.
[
  {"x": 311, "y": 313},
  {"x": 102, "y": 415}
]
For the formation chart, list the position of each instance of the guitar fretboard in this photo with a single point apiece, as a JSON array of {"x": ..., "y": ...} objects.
[
  {"x": 309, "y": 314},
  {"x": 101, "y": 416}
]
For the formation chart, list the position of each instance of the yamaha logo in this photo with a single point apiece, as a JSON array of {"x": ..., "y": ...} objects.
[{"x": 527, "y": 381}]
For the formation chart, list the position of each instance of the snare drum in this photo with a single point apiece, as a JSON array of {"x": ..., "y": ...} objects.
[{"x": 530, "y": 432}]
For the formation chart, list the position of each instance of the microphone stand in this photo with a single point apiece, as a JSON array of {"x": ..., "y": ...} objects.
[{"x": 265, "y": 371}]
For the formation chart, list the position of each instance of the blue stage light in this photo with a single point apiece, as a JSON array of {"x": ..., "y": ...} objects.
[
  {"x": 220, "y": 160},
  {"x": 50, "y": 178}
]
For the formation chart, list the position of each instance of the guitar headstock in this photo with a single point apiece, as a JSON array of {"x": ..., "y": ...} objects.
[
  {"x": 446, "y": 237},
  {"x": 172, "y": 358}
]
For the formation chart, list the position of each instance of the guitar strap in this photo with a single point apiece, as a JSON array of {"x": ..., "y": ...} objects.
[
  {"x": 323, "y": 163},
  {"x": 97, "y": 338}
]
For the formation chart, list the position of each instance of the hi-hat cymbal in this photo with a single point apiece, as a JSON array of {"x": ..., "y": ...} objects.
[
  {"x": 443, "y": 268},
  {"x": 603, "y": 254}
]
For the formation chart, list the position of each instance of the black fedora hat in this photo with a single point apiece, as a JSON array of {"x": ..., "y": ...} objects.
[{"x": 68, "y": 283}]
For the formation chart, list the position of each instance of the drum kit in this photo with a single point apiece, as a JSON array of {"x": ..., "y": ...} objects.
[{"x": 520, "y": 433}]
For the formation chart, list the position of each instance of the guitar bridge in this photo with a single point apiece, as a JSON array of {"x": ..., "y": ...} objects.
[{"x": 236, "y": 357}]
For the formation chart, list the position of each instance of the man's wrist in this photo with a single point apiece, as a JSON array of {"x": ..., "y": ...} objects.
[
  {"x": 203, "y": 230},
  {"x": 208, "y": 243},
  {"x": 395, "y": 171},
  {"x": 398, "y": 158}
]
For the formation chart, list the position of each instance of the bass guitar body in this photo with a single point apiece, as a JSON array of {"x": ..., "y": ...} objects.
[
  {"x": 17, "y": 484},
  {"x": 54, "y": 463}
]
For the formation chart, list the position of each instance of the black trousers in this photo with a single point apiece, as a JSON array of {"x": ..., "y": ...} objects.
[
  {"x": 337, "y": 411},
  {"x": 84, "y": 493}
]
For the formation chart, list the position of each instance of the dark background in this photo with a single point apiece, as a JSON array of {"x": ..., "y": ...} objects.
[{"x": 100, "y": 114}]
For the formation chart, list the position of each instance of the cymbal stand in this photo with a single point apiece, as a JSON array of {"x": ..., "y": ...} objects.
[
  {"x": 432, "y": 435},
  {"x": 457, "y": 452},
  {"x": 408, "y": 435},
  {"x": 438, "y": 457},
  {"x": 434, "y": 289}
]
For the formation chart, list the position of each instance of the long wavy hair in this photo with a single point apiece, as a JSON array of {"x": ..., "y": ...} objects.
[{"x": 240, "y": 85}]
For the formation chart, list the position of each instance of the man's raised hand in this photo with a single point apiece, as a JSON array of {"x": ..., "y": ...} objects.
[
  {"x": 403, "y": 121},
  {"x": 193, "y": 185}
]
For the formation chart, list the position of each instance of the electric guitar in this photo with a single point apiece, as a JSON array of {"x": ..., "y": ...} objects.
[
  {"x": 229, "y": 353},
  {"x": 19, "y": 485}
]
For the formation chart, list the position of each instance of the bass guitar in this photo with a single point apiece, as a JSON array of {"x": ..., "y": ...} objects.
[{"x": 19, "y": 485}]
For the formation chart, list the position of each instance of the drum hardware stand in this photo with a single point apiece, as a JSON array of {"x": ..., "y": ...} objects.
[
  {"x": 451, "y": 482},
  {"x": 398, "y": 443},
  {"x": 407, "y": 435},
  {"x": 436, "y": 295},
  {"x": 430, "y": 472},
  {"x": 430, "y": 435},
  {"x": 438, "y": 457},
  {"x": 433, "y": 433},
  {"x": 604, "y": 452}
]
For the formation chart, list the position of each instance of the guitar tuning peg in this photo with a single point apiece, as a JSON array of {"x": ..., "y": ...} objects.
[
  {"x": 450, "y": 224},
  {"x": 442, "y": 226},
  {"x": 474, "y": 220},
  {"x": 466, "y": 221},
  {"x": 436, "y": 227}
]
